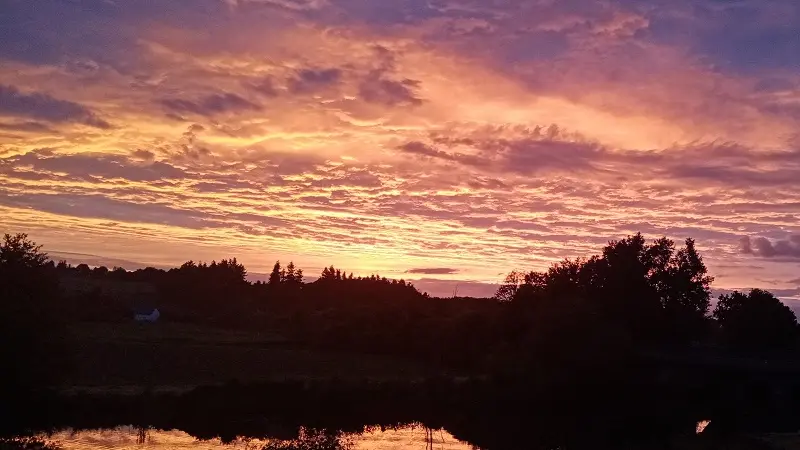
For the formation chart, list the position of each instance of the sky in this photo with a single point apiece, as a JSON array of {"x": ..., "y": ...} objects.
[{"x": 442, "y": 141}]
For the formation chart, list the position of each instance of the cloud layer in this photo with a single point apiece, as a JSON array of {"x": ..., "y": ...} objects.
[
  {"x": 780, "y": 248},
  {"x": 451, "y": 139}
]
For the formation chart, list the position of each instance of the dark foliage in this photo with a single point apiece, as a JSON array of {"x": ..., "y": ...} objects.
[
  {"x": 649, "y": 291},
  {"x": 756, "y": 322},
  {"x": 29, "y": 331}
]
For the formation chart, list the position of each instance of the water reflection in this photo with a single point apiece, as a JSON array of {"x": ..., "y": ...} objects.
[
  {"x": 414, "y": 437},
  {"x": 142, "y": 434}
]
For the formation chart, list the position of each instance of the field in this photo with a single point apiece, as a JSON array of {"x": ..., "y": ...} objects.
[{"x": 165, "y": 356}]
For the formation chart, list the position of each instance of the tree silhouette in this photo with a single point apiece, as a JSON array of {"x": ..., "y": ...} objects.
[
  {"x": 756, "y": 321},
  {"x": 508, "y": 290},
  {"x": 330, "y": 273},
  {"x": 28, "y": 330},
  {"x": 275, "y": 275},
  {"x": 650, "y": 290},
  {"x": 83, "y": 269},
  {"x": 18, "y": 251},
  {"x": 289, "y": 275}
]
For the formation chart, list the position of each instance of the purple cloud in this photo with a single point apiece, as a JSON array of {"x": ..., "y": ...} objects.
[
  {"x": 265, "y": 87},
  {"x": 211, "y": 104},
  {"x": 312, "y": 80},
  {"x": 41, "y": 106},
  {"x": 763, "y": 247},
  {"x": 376, "y": 89},
  {"x": 29, "y": 127},
  {"x": 90, "y": 167}
]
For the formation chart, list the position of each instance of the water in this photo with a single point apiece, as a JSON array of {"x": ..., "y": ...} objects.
[{"x": 132, "y": 438}]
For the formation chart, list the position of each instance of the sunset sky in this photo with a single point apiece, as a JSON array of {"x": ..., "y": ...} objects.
[{"x": 442, "y": 141}]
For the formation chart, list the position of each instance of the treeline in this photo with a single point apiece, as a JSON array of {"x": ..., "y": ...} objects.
[
  {"x": 218, "y": 293},
  {"x": 636, "y": 296}
]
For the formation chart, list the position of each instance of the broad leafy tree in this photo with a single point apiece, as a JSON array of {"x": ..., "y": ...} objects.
[
  {"x": 650, "y": 290},
  {"x": 511, "y": 284},
  {"x": 29, "y": 334},
  {"x": 756, "y": 322}
]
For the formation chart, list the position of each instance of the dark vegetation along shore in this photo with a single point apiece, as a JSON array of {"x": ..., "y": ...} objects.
[{"x": 621, "y": 346}]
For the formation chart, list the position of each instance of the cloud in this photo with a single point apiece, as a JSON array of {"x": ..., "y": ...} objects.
[
  {"x": 211, "y": 105},
  {"x": 347, "y": 177},
  {"x": 433, "y": 271},
  {"x": 553, "y": 150},
  {"x": 376, "y": 89},
  {"x": 91, "y": 167},
  {"x": 146, "y": 155},
  {"x": 746, "y": 35},
  {"x": 264, "y": 86},
  {"x": 312, "y": 80},
  {"x": 763, "y": 247},
  {"x": 98, "y": 206},
  {"x": 41, "y": 106},
  {"x": 29, "y": 127},
  {"x": 294, "y": 5},
  {"x": 419, "y": 148},
  {"x": 745, "y": 246}
]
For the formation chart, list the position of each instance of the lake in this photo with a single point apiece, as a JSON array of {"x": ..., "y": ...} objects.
[
  {"x": 406, "y": 437},
  {"x": 411, "y": 437},
  {"x": 431, "y": 414}
]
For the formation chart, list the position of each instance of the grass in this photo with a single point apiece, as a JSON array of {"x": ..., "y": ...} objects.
[
  {"x": 129, "y": 332},
  {"x": 132, "y": 357}
]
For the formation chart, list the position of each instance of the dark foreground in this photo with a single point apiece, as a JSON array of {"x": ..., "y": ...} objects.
[{"x": 493, "y": 414}]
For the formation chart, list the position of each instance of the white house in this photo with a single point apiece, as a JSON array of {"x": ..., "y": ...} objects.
[{"x": 146, "y": 315}]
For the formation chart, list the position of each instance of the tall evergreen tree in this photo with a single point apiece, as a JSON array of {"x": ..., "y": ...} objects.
[
  {"x": 275, "y": 275},
  {"x": 290, "y": 273}
]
